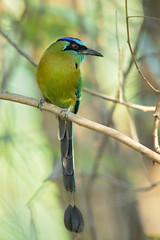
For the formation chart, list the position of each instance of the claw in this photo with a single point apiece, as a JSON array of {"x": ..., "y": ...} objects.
[
  {"x": 65, "y": 112},
  {"x": 40, "y": 103}
]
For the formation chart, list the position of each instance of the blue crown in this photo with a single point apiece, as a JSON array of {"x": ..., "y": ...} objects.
[{"x": 78, "y": 41}]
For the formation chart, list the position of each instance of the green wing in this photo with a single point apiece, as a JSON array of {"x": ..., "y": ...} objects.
[{"x": 78, "y": 95}]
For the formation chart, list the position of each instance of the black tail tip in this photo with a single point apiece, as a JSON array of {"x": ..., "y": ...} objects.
[{"x": 73, "y": 219}]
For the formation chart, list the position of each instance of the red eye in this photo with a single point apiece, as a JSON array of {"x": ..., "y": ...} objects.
[{"x": 74, "y": 46}]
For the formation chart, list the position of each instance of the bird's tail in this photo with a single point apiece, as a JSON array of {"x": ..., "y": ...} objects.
[
  {"x": 73, "y": 218},
  {"x": 67, "y": 156}
]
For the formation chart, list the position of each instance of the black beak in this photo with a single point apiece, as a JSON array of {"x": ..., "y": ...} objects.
[{"x": 89, "y": 51}]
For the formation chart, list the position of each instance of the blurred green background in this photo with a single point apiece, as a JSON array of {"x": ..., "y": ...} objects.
[{"x": 108, "y": 174}]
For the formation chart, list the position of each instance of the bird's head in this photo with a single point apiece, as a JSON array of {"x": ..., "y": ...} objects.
[{"x": 77, "y": 47}]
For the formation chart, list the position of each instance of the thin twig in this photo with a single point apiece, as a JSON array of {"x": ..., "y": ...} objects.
[
  {"x": 120, "y": 92},
  {"x": 127, "y": 71},
  {"x": 24, "y": 54},
  {"x": 125, "y": 185},
  {"x": 130, "y": 47},
  {"x": 85, "y": 123},
  {"x": 131, "y": 105},
  {"x": 149, "y": 17}
]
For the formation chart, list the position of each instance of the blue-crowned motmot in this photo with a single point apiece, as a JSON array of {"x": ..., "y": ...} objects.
[{"x": 59, "y": 79}]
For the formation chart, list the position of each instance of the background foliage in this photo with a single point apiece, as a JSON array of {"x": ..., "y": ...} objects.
[{"x": 109, "y": 176}]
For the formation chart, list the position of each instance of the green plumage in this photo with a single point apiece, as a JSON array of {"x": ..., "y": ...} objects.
[
  {"x": 59, "y": 79},
  {"x": 58, "y": 76}
]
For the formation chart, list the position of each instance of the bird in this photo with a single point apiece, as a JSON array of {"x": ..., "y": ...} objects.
[{"x": 59, "y": 79}]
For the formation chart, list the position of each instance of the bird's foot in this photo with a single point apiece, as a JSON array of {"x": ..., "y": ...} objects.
[
  {"x": 40, "y": 103},
  {"x": 65, "y": 111}
]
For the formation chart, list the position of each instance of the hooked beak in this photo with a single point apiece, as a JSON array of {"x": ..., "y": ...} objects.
[{"x": 90, "y": 51}]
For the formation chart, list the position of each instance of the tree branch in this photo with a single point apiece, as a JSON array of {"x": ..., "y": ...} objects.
[
  {"x": 85, "y": 123},
  {"x": 24, "y": 54},
  {"x": 149, "y": 17},
  {"x": 130, "y": 105}
]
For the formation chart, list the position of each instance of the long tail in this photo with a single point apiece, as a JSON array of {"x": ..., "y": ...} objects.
[
  {"x": 67, "y": 156},
  {"x": 73, "y": 218}
]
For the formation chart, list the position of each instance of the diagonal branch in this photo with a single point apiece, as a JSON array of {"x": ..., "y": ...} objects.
[
  {"x": 85, "y": 123},
  {"x": 115, "y": 100},
  {"x": 24, "y": 54}
]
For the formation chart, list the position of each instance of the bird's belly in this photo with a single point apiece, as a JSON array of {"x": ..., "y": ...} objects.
[{"x": 60, "y": 89}]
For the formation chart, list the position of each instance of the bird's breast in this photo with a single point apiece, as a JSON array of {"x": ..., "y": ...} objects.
[{"x": 58, "y": 77}]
